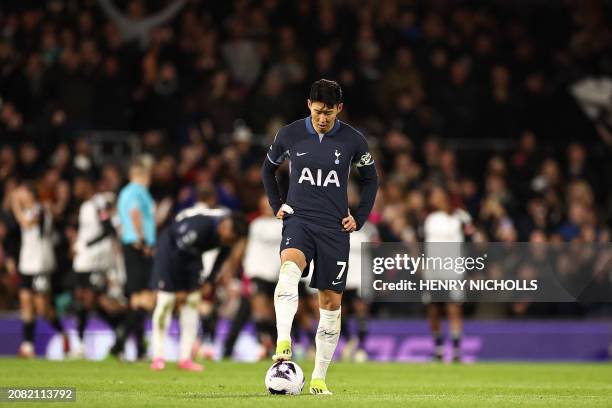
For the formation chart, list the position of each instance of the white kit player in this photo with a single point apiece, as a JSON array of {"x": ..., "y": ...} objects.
[
  {"x": 94, "y": 254},
  {"x": 36, "y": 264},
  {"x": 444, "y": 228}
]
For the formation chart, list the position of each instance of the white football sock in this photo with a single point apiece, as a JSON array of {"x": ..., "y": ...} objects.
[
  {"x": 161, "y": 321},
  {"x": 189, "y": 325},
  {"x": 326, "y": 340},
  {"x": 286, "y": 298}
]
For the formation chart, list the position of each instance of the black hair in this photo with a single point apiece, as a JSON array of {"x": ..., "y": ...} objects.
[
  {"x": 239, "y": 225},
  {"x": 326, "y": 91},
  {"x": 205, "y": 192}
]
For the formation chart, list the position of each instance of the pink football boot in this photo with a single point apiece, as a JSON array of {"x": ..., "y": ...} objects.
[{"x": 189, "y": 365}]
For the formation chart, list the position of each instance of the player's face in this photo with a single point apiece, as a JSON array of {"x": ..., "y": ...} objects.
[
  {"x": 323, "y": 116},
  {"x": 438, "y": 199},
  {"x": 226, "y": 232}
]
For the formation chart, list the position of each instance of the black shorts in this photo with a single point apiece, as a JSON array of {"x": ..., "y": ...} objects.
[
  {"x": 264, "y": 287},
  {"x": 36, "y": 283},
  {"x": 327, "y": 248},
  {"x": 137, "y": 270},
  {"x": 91, "y": 280},
  {"x": 174, "y": 270}
]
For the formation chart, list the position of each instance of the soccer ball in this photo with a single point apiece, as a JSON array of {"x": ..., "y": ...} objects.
[{"x": 285, "y": 377}]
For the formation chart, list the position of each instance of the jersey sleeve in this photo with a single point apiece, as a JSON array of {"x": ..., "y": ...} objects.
[
  {"x": 363, "y": 157},
  {"x": 278, "y": 149},
  {"x": 368, "y": 178},
  {"x": 274, "y": 157}
]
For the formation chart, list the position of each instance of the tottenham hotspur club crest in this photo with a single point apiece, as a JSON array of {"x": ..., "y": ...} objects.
[{"x": 338, "y": 154}]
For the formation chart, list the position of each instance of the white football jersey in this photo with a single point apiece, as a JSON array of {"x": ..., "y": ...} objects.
[
  {"x": 262, "y": 259},
  {"x": 36, "y": 254},
  {"x": 100, "y": 255},
  {"x": 443, "y": 227}
]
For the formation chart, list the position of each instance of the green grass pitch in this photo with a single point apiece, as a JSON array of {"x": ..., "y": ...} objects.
[{"x": 226, "y": 384}]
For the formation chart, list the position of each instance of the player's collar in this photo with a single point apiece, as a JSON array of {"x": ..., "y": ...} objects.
[{"x": 312, "y": 130}]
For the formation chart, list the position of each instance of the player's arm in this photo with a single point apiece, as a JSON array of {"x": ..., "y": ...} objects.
[
  {"x": 369, "y": 183},
  {"x": 19, "y": 211},
  {"x": 274, "y": 158},
  {"x": 136, "y": 218},
  {"x": 107, "y": 228},
  {"x": 233, "y": 261}
]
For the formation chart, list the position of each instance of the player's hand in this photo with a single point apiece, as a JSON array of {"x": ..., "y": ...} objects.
[
  {"x": 284, "y": 210},
  {"x": 349, "y": 224},
  {"x": 148, "y": 251}
]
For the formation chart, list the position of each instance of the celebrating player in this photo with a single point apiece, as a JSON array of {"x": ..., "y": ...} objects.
[
  {"x": 36, "y": 263},
  {"x": 177, "y": 268},
  {"x": 316, "y": 220}
]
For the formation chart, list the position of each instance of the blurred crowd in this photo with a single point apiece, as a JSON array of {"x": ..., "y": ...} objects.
[{"x": 470, "y": 95}]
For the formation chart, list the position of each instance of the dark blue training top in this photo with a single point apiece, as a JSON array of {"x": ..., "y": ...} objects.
[
  {"x": 319, "y": 170},
  {"x": 194, "y": 230}
]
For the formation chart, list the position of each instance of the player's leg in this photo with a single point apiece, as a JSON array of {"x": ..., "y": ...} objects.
[
  {"x": 88, "y": 301},
  {"x": 144, "y": 308},
  {"x": 208, "y": 318},
  {"x": 145, "y": 302},
  {"x": 361, "y": 313},
  {"x": 85, "y": 302},
  {"x": 130, "y": 318},
  {"x": 46, "y": 310},
  {"x": 455, "y": 323},
  {"x": 286, "y": 297},
  {"x": 187, "y": 280},
  {"x": 26, "y": 307},
  {"x": 433, "y": 315},
  {"x": 241, "y": 317},
  {"x": 329, "y": 276},
  {"x": 188, "y": 319},
  {"x": 263, "y": 313},
  {"x": 326, "y": 339},
  {"x": 81, "y": 312},
  {"x": 165, "y": 269},
  {"x": 162, "y": 315},
  {"x": 345, "y": 333}
]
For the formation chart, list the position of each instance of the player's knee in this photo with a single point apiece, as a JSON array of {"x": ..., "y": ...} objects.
[
  {"x": 330, "y": 300},
  {"x": 290, "y": 273},
  {"x": 165, "y": 299},
  {"x": 330, "y": 305},
  {"x": 295, "y": 256},
  {"x": 193, "y": 300}
]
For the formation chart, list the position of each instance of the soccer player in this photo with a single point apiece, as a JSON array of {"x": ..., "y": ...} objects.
[
  {"x": 316, "y": 221},
  {"x": 136, "y": 208},
  {"x": 445, "y": 225},
  {"x": 36, "y": 263},
  {"x": 94, "y": 255},
  {"x": 177, "y": 269}
]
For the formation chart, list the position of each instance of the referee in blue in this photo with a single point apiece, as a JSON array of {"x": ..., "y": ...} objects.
[{"x": 136, "y": 210}]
